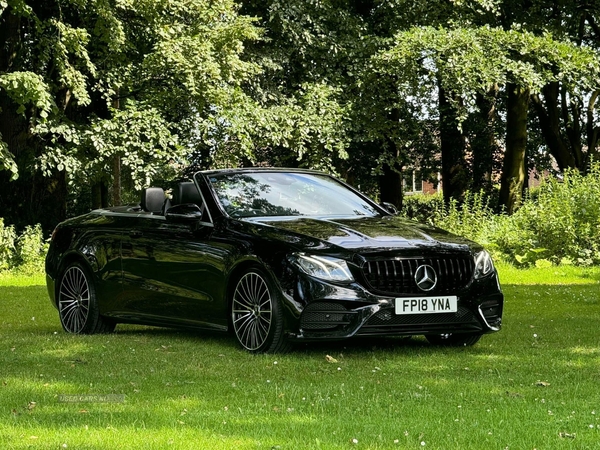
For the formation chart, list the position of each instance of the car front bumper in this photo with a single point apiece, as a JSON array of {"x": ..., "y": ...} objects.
[{"x": 331, "y": 312}]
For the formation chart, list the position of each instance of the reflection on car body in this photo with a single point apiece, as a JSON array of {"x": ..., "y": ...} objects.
[{"x": 274, "y": 255}]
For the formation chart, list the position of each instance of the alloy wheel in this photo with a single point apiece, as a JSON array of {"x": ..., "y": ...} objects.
[
  {"x": 252, "y": 311},
  {"x": 74, "y": 300}
]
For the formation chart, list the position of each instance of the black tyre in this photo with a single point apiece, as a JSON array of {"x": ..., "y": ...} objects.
[
  {"x": 256, "y": 315},
  {"x": 454, "y": 340},
  {"x": 77, "y": 303}
]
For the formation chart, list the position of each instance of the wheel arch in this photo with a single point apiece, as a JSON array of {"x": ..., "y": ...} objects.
[
  {"x": 67, "y": 260},
  {"x": 236, "y": 273}
]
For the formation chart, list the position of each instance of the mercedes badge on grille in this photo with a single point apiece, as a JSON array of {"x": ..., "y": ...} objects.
[{"x": 426, "y": 278}]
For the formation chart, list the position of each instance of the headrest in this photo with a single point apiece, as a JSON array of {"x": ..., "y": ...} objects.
[
  {"x": 153, "y": 199},
  {"x": 186, "y": 192}
]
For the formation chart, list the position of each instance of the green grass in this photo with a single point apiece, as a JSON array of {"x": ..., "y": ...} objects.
[{"x": 533, "y": 385}]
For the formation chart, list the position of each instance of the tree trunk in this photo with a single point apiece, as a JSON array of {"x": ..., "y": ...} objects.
[
  {"x": 100, "y": 195},
  {"x": 13, "y": 126},
  {"x": 484, "y": 143},
  {"x": 592, "y": 131},
  {"x": 513, "y": 171},
  {"x": 116, "y": 186},
  {"x": 390, "y": 182},
  {"x": 571, "y": 112},
  {"x": 455, "y": 174},
  {"x": 96, "y": 195},
  {"x": 549, "y": 116},
  {"x": 390, "y": 186}
]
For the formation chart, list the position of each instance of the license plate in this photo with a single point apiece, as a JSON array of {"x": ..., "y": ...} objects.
[{"x": 426, "y": 305}]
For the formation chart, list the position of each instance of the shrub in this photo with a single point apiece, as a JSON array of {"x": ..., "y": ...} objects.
[
  {"x": 470, "y": 218},
  {"x": 422, "y": 207},
  {"x": 558, "y": 222},
  {"x": 24, "y": 252},
  {"x": 31, "y": 250},
  {"x": 7, "y": 245}
]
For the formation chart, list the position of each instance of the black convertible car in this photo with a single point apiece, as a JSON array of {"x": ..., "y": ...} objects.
[{"x": 274, "y": 255}]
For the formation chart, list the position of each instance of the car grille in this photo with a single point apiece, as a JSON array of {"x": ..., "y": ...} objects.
[{"x": 397, "y": 276}]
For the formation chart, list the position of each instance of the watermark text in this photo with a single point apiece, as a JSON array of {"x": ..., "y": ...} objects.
[{"x": 91, "y": 398}]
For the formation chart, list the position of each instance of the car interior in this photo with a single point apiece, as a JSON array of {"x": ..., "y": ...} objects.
[{"x": 155, "y": 201}]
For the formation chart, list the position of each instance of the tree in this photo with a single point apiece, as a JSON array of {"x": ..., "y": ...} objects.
[
  {"x": 85, "y": 85},
  {"x": 463, "y": 63},
  {"x": 302, "y": 103}
]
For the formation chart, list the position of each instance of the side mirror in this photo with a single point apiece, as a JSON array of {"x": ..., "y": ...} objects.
[
  {"x": 186, "y": 213},
  {"x": 391, "y": 208}
]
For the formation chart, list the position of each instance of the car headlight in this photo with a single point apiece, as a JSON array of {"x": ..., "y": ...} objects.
[
  {"x": 324, "y": 267},
  {"x": 483, "y": 264}
]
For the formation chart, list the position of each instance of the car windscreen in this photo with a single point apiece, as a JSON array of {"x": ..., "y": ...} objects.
[{"x": 252, "y": 194}]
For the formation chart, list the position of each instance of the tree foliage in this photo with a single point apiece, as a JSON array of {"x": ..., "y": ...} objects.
[
  {"x": 101, "y": 95},
  {"x": 83, "y": 83},
  {"x": 466, "y": 61}
]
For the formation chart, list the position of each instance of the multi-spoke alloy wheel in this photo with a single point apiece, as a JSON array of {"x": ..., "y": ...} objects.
[
  {"x": 255, "y": 314},
  {"x": 77, "y": 306},
  {"x": 74, "y": 300}
]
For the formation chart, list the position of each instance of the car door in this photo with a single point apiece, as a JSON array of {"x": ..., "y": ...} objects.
[
  {"x": 173, "y": 273},
  {"x": 100, "y": 243}
]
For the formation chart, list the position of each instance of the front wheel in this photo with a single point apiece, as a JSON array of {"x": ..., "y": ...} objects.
[
  {"x": 256, "y": 314},
  {"x": 77, "y": 303},
  {"x": 454, "y": 340}
]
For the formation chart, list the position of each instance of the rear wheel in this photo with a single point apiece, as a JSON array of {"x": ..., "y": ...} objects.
[
  {"x": 256, "y": 314},
  {"x": 78, "y": 305},
  {"x": 454, "y": 340}
]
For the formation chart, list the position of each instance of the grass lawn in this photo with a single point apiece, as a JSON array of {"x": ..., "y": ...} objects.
[{"x": 533, "y": 385}]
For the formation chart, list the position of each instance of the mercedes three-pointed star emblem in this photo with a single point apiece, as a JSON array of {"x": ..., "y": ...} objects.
[{"x": 426, "y": 278}]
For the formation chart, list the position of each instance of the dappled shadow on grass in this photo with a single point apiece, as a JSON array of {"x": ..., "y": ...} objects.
[
  {"x": 199, "y": 335},
  {"x": 195, "y": 387},
  {"x": 32, "y": 313},
  {"x": 592, "y": 275},
  {"x": 355, "y": 346},
  {"x": 360, "y": 345}
]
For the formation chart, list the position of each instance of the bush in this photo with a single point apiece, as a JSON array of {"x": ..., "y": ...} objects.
[
  {"x": 422, "y": 207},
  {"x": 24, "y": 252},
  {"x": 470, "y": 218},
  {"x": 7, "y": 245},
  {"x": 31, "y": 250},
  {"x": 558, "y": 222}
]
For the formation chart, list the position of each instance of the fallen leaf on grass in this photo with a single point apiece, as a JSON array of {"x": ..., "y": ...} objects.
[
  {"x": 567, "y": 435},
  {"x": 542, "y": 383}
]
